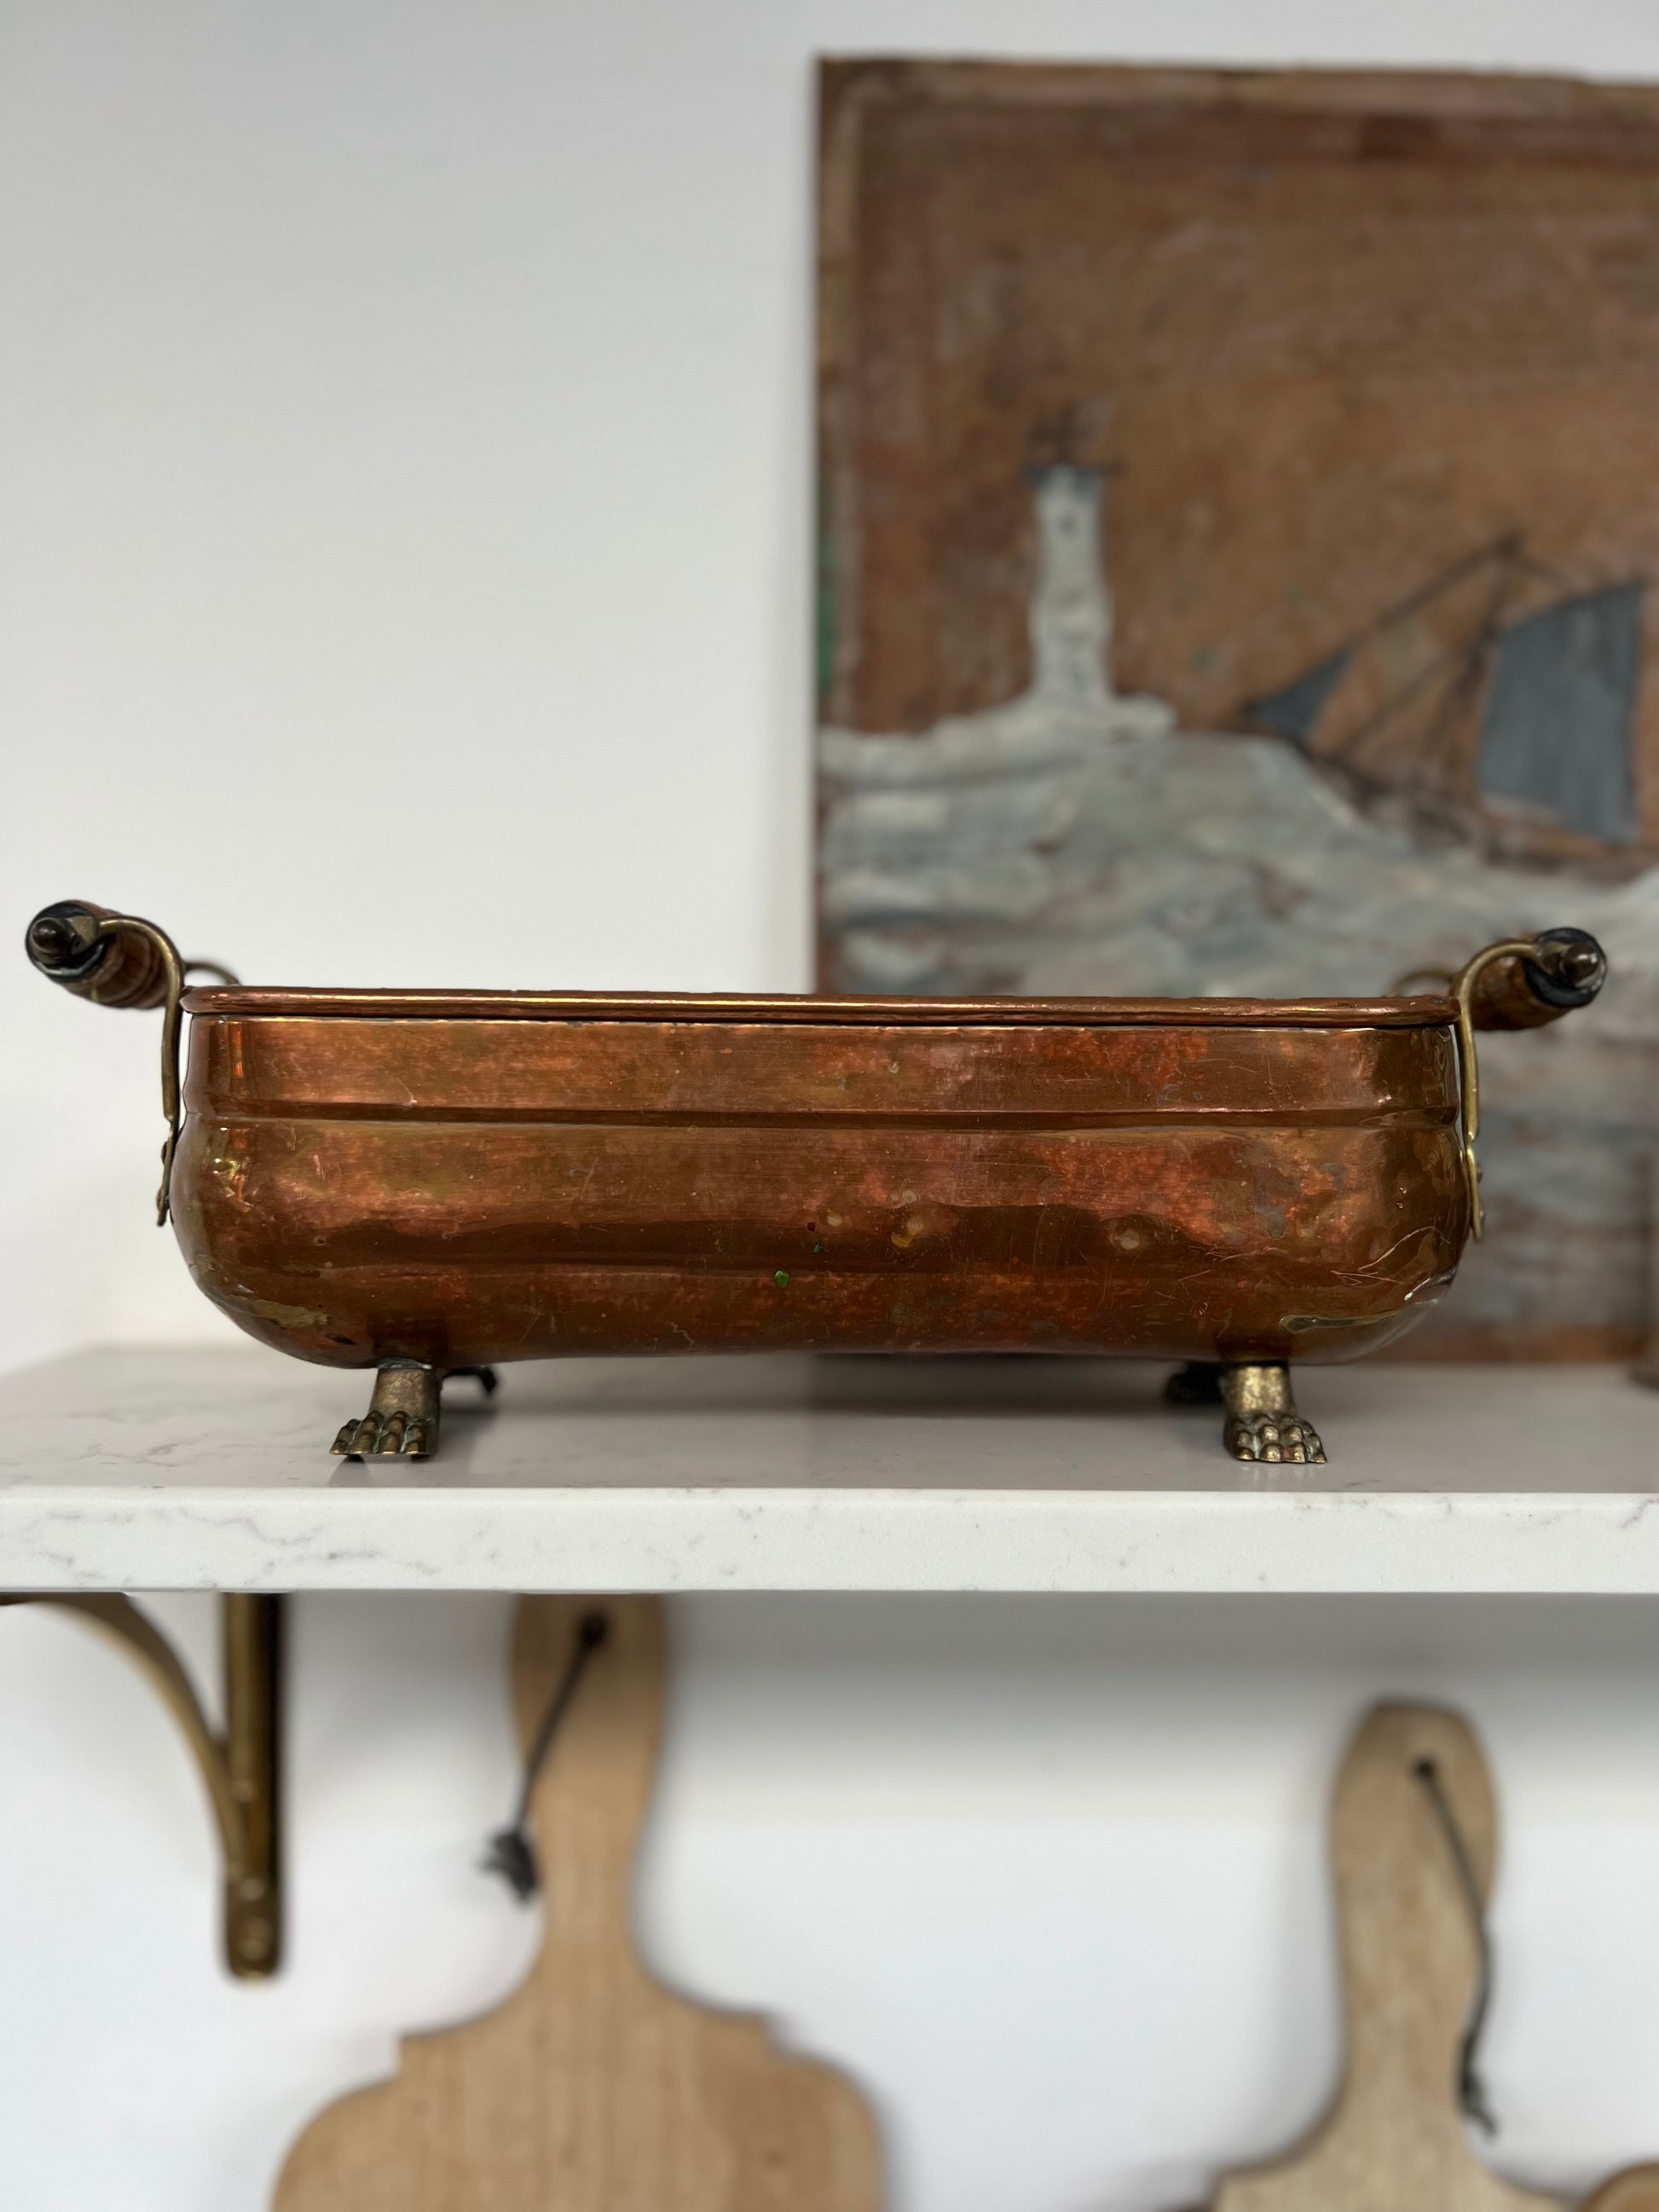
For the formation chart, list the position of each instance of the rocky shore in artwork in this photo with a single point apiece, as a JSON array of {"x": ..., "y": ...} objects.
[{"x": 1074, "y": 841}]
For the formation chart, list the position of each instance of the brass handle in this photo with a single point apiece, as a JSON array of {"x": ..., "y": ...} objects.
[
  {"x": 1520, "y": 983},
  {"x": 118, "y": 960}
]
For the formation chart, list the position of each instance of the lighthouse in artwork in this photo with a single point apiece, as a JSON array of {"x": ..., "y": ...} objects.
[
  {"x": 1071, "y": 617},
  {"x": 1071, "y": 607}
]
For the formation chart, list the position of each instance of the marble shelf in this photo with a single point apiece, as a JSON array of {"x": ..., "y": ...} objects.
[{"x": 133, "y": 1469}]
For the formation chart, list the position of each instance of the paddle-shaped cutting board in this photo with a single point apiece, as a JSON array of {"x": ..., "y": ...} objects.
[
  {"x": 1394, "y": 2141},
  {"x": 592, "y": 2088},
  {"x": 1635, "y": 2189}
]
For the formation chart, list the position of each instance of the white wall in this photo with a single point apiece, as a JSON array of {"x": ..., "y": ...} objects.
[{"x": 404, "y": 468}]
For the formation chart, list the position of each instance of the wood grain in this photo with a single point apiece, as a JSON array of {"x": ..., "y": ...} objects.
[
  {"x": 1394, "y": 2137},
  {"x": 1635, "y": 2189},
  {"x": 592, "y": 2088}
]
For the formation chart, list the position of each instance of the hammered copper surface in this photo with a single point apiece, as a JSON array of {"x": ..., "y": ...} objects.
[{"x": 1215, "y": 1179}]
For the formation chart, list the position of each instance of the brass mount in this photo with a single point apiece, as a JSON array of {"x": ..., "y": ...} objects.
[
  {"x": 241, "y": 1768},
  {"x": 1468, "y": 1067},
  {"x": 122, "y": 960}
]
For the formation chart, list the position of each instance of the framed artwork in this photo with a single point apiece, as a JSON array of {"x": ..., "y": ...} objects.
[{"x": 1240, "y": 500}]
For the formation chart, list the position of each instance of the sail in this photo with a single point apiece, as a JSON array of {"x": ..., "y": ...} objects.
[
  {"x": 1558, "y": 730},
  {"x": 1293, "y": 712}
]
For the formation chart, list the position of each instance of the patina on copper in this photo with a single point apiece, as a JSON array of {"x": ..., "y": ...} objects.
[{"x": 451, "y": 1180}]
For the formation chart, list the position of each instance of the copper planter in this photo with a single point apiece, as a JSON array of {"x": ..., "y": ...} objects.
[{"x": 424, "y": 1182}]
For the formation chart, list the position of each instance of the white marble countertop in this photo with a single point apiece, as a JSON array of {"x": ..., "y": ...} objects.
[{"x": 153, "y": 1470}]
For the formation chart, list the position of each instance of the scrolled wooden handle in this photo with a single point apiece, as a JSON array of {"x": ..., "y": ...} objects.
[
  {"x": 1561, "y": 970},
  {"x": 112, "y": 960},
  {"x": 118, "y": 960}
]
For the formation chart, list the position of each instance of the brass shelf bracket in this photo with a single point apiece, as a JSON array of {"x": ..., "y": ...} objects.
[{"x": 241, "y": 1768}]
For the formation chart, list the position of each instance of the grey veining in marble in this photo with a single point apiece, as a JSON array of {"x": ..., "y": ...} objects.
[{"x": 146, "y": 1469}]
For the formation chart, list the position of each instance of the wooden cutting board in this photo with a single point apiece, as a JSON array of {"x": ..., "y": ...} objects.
[
  {"x": 592, "y": 2088},
  {"x": 1635, "y": 2189},
  {"x": 1395, "y": 2140}
]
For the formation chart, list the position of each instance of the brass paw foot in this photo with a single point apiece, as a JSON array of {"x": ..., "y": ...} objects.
[
  {"x": 402, "y": 1420},
  {"x": 1262, "y": 1421},
  {"x": 1263, "y": 1437}
]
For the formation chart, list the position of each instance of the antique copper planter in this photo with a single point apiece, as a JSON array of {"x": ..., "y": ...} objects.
[{"x": 428, "y": 1182}]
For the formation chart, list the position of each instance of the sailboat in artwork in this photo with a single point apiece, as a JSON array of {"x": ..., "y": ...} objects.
[{"x": 1492, "y": 703}]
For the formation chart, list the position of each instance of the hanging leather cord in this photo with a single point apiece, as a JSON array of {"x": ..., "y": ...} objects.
[
  {"x": 1471, "y": 2089},
  {"x": 511, "y": 1851}
]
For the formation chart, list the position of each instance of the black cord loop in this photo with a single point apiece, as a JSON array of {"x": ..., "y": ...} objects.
[
  {"x": 1471, "y": 2089},
  {"x": 511, "y": 1851}
]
